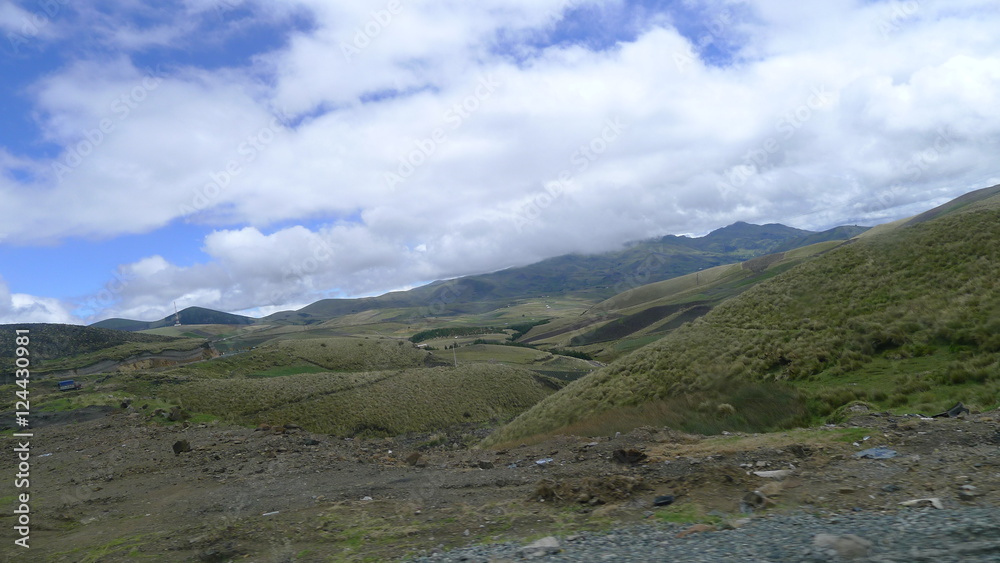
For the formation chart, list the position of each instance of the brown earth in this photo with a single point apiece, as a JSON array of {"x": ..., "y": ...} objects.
[{"x": 111, "y": 488}]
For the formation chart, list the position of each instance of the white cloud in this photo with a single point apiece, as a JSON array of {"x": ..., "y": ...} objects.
[
  {"x": 828, "y": 114},
  {"x": 24, "y": 308}
]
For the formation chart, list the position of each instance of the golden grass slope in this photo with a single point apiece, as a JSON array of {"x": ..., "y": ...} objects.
[
  {"x": 924, "y": 291},
  {"x": 385, "y": 403}
]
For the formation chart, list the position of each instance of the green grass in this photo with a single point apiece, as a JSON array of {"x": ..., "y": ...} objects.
[
  {"x": 911, "y": 315},
  {"x": 687, "y": 513},
  {"x": 384, "y": 403},
  {"x": 289, "y": 370}
]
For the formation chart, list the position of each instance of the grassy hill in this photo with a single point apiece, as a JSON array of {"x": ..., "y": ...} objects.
[
  {"x": 56, "y": 346},
  {"x": 383, "y": 403},
  {"x": 594, "y": 276},
  {"x": 906, "y": 319},
  {"x": 189, "y": 316},
  {"x": 643, "y": 314},
  {"x": 294, "y": 356}
]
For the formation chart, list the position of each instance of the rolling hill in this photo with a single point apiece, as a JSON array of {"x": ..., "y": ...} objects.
[
  {"x": 906, "y": 318},
  {"x": 189, "y": 316},
  {"x": 594, "y": 276}
]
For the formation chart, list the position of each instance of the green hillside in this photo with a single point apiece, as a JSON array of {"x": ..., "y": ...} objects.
[
  {"x": 592, "y": 276},
  {"x": 189, "y": 316},
  {"x": 56, "y": 346},
  {"x": 907, "y": 319},
  {"x": 385, "y": 403}
]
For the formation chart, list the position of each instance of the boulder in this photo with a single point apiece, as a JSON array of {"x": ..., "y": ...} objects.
[
  {"x": 181, "y": 446},
  {"x": 847, "y": 546},
  {"x": 541, "y": 548}
]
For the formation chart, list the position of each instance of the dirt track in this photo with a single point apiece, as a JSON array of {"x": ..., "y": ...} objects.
[{"x": 111, "y": 488}]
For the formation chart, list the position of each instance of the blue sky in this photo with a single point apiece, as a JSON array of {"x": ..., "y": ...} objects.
[{"x": 253, "y": 156}]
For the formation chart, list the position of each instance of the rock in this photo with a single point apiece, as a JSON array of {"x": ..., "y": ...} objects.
[
  {"x": 485, "y": 464},
  {"x": 755, "y": 501},
  {"x": 891, "y": 488},
  {"x": 262, "y": 428},
  {"x": 848, "y": 546},
  {"x": 771, "y": 489},
  {"x": 935, "y": 502},
  {"x": 310, "y": 442},
  {"x": 696, "y": 529},
  {"x": 416, "y": 460},
  {"x": 846, "y": 490},
  {"x": 735, "y": 524},
  {"x": 777, "y": 474},
  {"x": 664, "y": 500},
  {"x": 628, "y": 456},
  {"x": 177, "y": 414},
  {"x": 181, "y": 446},
  {"x": 541, "y": 548}
]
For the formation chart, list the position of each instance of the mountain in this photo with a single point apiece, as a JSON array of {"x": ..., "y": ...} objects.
[
  {"x": 189, "y": 316},
  {"x": 592, "y": 276},
  {"x": 905, "y": 318}
]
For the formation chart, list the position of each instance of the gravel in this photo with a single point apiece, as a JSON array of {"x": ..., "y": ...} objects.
[{"x": 938, "y": 536}]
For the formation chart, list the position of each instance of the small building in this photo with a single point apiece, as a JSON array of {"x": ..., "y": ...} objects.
[{"x": 69, "y": 385}]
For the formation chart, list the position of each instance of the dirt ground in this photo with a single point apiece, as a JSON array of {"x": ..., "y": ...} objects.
[{"x": 106, "y": 485}]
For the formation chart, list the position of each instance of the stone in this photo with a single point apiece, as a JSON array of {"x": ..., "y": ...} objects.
[
  {"x": 777, "y": 474},
  {"x": 771, "y": 489},
  {"x": 935, "y": 502},
  {"x": 181, "y": 446},
  {"x": 696, "y": 529},
  {"x": 847, "y": 546},
  {"x": 628, "y": 456},
  {"x": 755, "y": 500},
  {"x": 485, "y": 464},
  {"x": 416, "y": 459},
  {"x": 541, "y": 548},
  {"x": 663, "y": 500}
]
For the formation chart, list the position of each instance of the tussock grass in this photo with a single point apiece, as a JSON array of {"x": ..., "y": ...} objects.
[
  {"x": 287, "y": 357},
  {"x": 384, "y": 403},
  {"x": 924, "y": 290}
]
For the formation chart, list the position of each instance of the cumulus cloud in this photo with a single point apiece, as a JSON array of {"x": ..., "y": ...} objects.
[
  {"x": 24, "y": 308},
  {"x": 430, "y": 140}
]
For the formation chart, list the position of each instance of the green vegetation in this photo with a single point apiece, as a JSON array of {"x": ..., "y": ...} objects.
[
  {"x": 921, "y": 294},
  {"x": 55, "y": 346},
  {"x": 286, "y": 357},
  {"x": 384, "y": 403},
  {"x": 450, "y": 332}
]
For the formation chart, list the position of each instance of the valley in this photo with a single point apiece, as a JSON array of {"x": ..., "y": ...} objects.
[{"x": 541, "y": 400}]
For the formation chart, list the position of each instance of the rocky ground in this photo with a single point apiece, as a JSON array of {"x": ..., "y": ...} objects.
[{"x": 107, "y": 485}]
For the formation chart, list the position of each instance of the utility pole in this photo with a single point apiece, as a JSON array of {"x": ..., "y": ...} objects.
[{"x": 453, "y": 352}]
